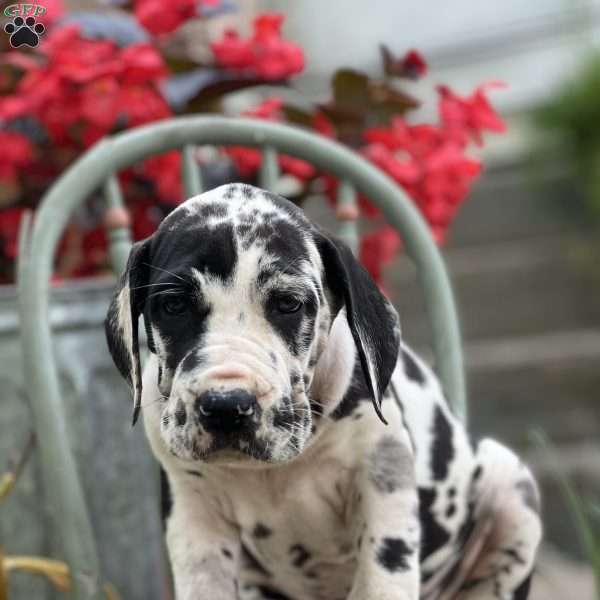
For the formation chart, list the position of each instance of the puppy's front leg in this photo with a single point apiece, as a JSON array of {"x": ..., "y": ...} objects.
[
  {"x": 388, "y": 546},
  {"x": 203, "y": 548}
]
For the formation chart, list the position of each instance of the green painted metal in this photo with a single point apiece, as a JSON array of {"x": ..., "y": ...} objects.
[
  {"x": 87, "y": 175},
  {"x": 269, "y": 169},
  {"x": 348, "y": 230},
  {"x": 59, "y": 472},
  {"x": 192, "y": 179},
  {"x": 119, "y": 238}
]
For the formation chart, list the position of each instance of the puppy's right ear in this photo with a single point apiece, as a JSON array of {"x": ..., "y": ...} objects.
[{"x": 121, "y": 323}]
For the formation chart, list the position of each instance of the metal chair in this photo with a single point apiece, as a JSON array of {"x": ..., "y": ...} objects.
[{"x": 97, "y": 168}]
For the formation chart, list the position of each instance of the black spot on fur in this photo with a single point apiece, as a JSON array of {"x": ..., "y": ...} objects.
[
  {"x": 230, "y": 191},
  {"x": 243, "y": 230},
  {"x": 434, "y": 536},
  {"x": 180, "y": 415},
  {"x": 270, "y": 593},
  {"x": 393, "y": 554},
  {"x": 477, "y": 473},
  {"x": 260, "y": 232},
  {"x": 194, "y": 473},
  {"x": 191, "y": 362},
  {"x": 274, "y": 363},
  {"x": 412, "y": 369},
  {"x": 261, "y": 531},
  {"x": 226, "y": 553},
  {"x": 391, "y": 466},
  {"x": 316, "y": 408},
  {"x": 283, "y": 416},
  {"x": 442, "y": 450},
  {"x": 166, "y": 499},
  {"x": 214, "y": 209},
  {"x": 522, "y": 592},
  {"x": 468, "y": 525},
  {"x": 251, "y": 562},
  {"x": 248, "y": 191},
  {"x": 451, "y": 510},
  {"x": 357, "y": 392},
  {"x": 300, "y": 555},
  {"x": 514, "y": 554},
  {"x": 426, "y": 576}
]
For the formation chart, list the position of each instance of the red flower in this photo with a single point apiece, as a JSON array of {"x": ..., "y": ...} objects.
[
  {"x": 267, "y": 26},
  {"x": 233, "y": 52},
  {"x": 469, "y": 116},
  {"x": 428, "y": 163},
  {"x": 12, "y": 107},
  {"x": 165, "y": 171},
  {"x": 248, "y": 160},
  {"x": 16, "y": 152},
  {"x": 265, "y": 54},
  {"x": 86, "y": 88},
  {"x": 413, "y": 64},
  {"x": 378, "y": 249},
  {"x": 142, "y": 64},
  {"x": 160, "y": 17},
  {"x": 322, "y": 125},
  {"x": 142, "y": 104},
  {"x": 269, "y": 109},
  {"x": 145, "y": 218}
]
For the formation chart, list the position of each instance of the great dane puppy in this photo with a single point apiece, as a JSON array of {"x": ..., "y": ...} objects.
[{"x": 270, "y": 348}]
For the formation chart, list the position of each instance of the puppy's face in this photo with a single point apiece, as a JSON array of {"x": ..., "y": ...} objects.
[{"x": 238, "y": 292}]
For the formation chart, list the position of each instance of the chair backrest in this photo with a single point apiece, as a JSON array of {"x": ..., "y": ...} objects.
[{"x": 97, "y": 168}]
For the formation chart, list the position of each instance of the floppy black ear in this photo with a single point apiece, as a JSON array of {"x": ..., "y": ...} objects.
[
  {"x": 121, "y": 323},
  {"x": 372, "y": 319}
]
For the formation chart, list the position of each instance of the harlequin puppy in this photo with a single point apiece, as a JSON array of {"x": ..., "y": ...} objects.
[{"x": 269, "y": 344}]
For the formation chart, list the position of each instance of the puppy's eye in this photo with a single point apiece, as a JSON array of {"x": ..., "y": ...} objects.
[
  {"x": 175, "y": 305},
  {"x": 287, "y": 304}
]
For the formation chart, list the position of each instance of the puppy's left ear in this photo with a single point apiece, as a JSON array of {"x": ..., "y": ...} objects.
[
  {"x": 372, "y": 320},
  {"x": 121, "y": 323}
]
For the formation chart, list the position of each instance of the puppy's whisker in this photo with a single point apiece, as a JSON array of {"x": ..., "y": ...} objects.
[
  {"x": 165, "y": 271},
  {"x": 149, "y": 285}
]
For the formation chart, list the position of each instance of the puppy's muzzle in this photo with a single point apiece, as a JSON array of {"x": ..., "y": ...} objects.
[{"x": 226, "y": 412}]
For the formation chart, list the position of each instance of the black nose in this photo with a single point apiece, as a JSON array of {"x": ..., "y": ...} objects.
[{"x": 226, "y": 412}]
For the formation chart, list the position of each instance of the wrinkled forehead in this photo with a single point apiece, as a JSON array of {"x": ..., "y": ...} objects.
[{"x": 238, "y": 228}]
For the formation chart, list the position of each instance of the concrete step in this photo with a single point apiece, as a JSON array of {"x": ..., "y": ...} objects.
[{"x": 511, "y": 288}]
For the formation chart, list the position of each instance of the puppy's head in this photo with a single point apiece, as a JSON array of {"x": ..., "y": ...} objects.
[{"x": 256, "y": 318}]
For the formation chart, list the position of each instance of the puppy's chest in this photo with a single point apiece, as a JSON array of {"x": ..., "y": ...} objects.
[{"x": 297, "y": 530}]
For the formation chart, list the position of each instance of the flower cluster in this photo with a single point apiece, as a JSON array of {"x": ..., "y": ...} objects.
[
  {"x": 77, "y": 86},
  {"x": 160, "y": 18},
  {"x": 80, "y": 89},
  {"x": 264, "y": 54},
  {"x": 248, "y": 160},
  {"x": 428, "y": 161}
]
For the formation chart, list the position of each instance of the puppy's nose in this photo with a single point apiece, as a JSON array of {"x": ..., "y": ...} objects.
[{"x": 226, "y": 412}]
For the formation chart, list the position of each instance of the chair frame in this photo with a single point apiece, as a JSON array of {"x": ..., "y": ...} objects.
[{"x": 97, "y": 168}]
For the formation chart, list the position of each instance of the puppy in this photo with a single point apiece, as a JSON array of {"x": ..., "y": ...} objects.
[{"x": 309, "y": 453}]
